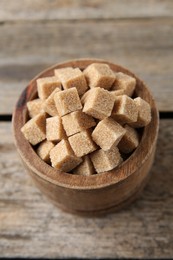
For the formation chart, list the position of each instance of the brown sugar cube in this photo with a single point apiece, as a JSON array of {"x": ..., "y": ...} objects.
[
  {"x": 63, "y": 158},
  {"x": 99, "y": 75},
  {"x": 71, "y": 77},
  {"x": 124, "y": 82},
  {"x": 46, "y": 86},
  {"x": 82, "y": 143},
  {"x": 54, "y": 129},
  {"x": 76, "y": 122},
  {"x": 108, "y": 133},
  {"x": 99, "y": 103},
  {"x": 125, "y": 110},
  {"x": 106, "y": 160},
  {"x": 44, "y": 149},
  {"x": 67, "y": 101},
  {"x": 116, "y": 93},
  {"x": 85, "y": 96},
  {"x": 144, "y": 113},
  {"x": 35, "y": 129},
  {"x": 86, "y": 168},
  {"x": 35, "y": 107},
  {"x": 129, "y": 141},
  {"x": 49, "y": 104}
]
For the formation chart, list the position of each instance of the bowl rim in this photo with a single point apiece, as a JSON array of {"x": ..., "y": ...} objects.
[{"x": 72, "y": 181}]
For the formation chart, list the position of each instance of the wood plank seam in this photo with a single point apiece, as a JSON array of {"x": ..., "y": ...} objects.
[{"x": 90, "y": 20}]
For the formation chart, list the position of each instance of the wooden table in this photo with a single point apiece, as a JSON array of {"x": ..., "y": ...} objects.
[{"x": 37, "y": 34}]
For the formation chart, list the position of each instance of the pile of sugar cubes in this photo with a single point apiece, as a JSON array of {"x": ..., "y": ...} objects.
[{"x": 84, "y": 122}]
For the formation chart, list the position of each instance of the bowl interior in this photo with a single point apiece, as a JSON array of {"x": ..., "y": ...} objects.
[{"x": 45, "y": 171}]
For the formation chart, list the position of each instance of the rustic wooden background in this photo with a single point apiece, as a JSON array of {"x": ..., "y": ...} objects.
[{"x": 37, "y": 34}]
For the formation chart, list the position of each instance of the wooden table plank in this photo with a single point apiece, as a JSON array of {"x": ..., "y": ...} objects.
[
  {"x": 32, "y": 227},
  {"x": 88, "y": 9},
  {"x": 145, "y": 47}
]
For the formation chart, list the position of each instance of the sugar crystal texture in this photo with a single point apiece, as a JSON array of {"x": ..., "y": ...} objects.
[
  {"x": 44, "y": 149},
  {"x": 99, "y": 103},
  {"x": 35, "y": 129},
  {"x": 82, "y": 143},
  {"x": 35, "y": 107},
  {"x": 108, "y": 133},
  {"x": 54, "y": 129},
  {"x": 49, "y": 104},
  {"x": 144, "y": 113},
  {"x": 67, "y": 101},
  {"x": 63, "y": 158},
  {"x": 99, "y": 75},
  {"x": 71, "y": 77},
  {"x": 46, "y": 86},
  {"x": 86, "y": 168},
  {"x": 124, "y": 82},
  {"x": 106, "y": 160},
  {"x": 118, "y": 92},
  {"x": 129, "y": 141},
  {"x": 125, "y": 110},
  {"x": 85, "y": 96},
  {"x": 76, "y": 122}
]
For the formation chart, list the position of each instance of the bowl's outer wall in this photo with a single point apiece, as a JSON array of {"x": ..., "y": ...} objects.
[
  {"x": 101, "y": 193},
  {"x": 96, "y": 201}
]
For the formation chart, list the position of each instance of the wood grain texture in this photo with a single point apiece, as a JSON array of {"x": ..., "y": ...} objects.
[
  {"x": 32, "y": 227},
  {"x": 78, "y": 9},
  {"x": 143, "y": 46}
]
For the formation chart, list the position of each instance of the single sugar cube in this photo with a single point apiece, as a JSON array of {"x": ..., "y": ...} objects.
[
  {"x": 125, "y": 110},
  {"x": 144, "y": 113},
  {"x": 76, "y": 122},
  {"x": 108, "y": 133},
  {"x": 99, "y": 75},
  {"x": 106, "y": 160},
  {"x": 86, "y": 168},
  {"x": 124, "y": 82},
  {"x": 129, "y": 141},
  {"x": 63, "y": 158},
  {"x": 46, "y": 86},
  {"x": 71, "y": 77},
  {"x": 67, "y": 101},
  {"x": 44, "y": 149},
  {"x": 49, "y": 104},
  {"x": 54, "y": 129},
  {"x": 35, "y": 129},
  {"x": 82, "y": 143},
  {"x": 35, "y": 107},
  {"x": 99, "y": 103}
]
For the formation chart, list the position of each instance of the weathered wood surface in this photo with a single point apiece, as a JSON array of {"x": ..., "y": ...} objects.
[
  {"x": 78, "y": 9},
  {"x": 37, "y": 34},
  {"x": 144, "y": 46},
  {"x": 31, "y": 227}
]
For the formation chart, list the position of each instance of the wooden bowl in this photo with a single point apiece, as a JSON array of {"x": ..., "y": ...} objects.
[{"x": 100, "y": 193}]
